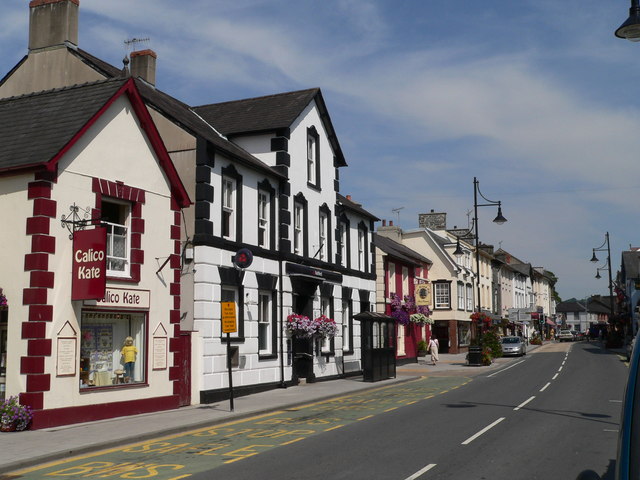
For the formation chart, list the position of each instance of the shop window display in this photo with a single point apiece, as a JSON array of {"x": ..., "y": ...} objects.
[{"x": 108, "y": 343}]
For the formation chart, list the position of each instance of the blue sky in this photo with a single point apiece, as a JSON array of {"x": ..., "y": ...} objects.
[{"x": 535, "y": 98}]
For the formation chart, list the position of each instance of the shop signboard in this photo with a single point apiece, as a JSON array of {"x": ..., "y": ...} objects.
[
  {"x": 89, "y": 268},
  {"x": 423, "y": 294},
  {"x": 124, "y": 298}
]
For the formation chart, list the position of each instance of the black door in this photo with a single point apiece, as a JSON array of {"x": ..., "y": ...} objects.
[{"x": 302, "y": 347}]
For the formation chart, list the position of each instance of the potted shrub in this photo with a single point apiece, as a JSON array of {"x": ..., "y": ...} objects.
[
  {"x": 422, "y": 348},
  {"x": 14, "y": 416}
]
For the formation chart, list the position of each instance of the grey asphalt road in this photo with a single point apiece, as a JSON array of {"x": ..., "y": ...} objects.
[{"x": 549, "y": 415}]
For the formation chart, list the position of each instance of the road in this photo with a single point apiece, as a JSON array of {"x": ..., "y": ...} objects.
[{"x": 549, "y": 415}]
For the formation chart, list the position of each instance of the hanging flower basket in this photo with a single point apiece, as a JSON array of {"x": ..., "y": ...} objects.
[
  {"x": 480, "y": 317},
  {"x": 325, "y": 327},
  {"x": 3, "y": 301},
  {"x": 301, "y": 326},
  {"x": 421, "y": 319}
]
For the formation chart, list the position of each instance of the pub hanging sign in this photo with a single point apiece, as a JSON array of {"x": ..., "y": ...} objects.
[{"x": 89, "y": 268}]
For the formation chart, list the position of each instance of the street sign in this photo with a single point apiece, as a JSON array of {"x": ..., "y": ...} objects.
[
  {"x": 243, "y": 258},
  {"x": 229, "y": 324}
]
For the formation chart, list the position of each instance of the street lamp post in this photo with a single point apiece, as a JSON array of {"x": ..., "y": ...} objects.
[
  {"x": 499, "y": 220},
  {"x": 594, "y": 259}
]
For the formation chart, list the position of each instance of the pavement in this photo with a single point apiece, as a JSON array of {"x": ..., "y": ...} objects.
[{"x": 32, "y": 447}]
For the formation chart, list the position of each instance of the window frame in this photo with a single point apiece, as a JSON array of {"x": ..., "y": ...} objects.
[
  {"x": 268, "y": 323},
  {"x": 228, "y": 229},
  {"x": 441, "y": 305},
  {"x": 313, "y": 157},
  {"x": 128, "y": 208},
  {"x": 264, "y": 219}
]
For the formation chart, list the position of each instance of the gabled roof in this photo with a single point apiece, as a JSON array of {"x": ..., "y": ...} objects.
[
  {"x": 399, "y": 251},
  {"x": 269, "y": 114},
  {"x": 36, "y": 130},
  {"x": 355, "y": 207},
  {"x": 180, "y": 113},
  {"x": 592, "y": 306},
  {"x": 36, "y": 127}
]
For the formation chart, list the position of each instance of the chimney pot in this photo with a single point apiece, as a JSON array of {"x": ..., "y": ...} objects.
[
  {"x": 391, "y": 223},
  {"x": 349, "y": 197},
  {"x": 143, "y": 65},
  {"x": 384, "y": 223},
  {"x": 52, "y": 23}
]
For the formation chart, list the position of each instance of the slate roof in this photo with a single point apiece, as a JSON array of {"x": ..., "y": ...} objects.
[
  {"x": 399, "y": 251},
  {"x": 182, "y": 114},
  {"x": 593, "y": 306},
  {"x": 35, "y": 127},
  {"x": 356, "y": 207},
  {"x": 268, "y": 114}
]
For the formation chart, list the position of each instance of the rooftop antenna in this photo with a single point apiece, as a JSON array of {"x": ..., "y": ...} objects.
[
  {"x": 132, "y": 43},
  {"x": 397, "y": 212},
  {"x": 469, "y": 212}
]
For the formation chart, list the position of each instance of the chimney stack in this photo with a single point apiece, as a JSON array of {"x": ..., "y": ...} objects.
[
  {"x": 52, "y": 23},
  {"x": 143, "y": 65},
  {"x": 433, "y": 220}
]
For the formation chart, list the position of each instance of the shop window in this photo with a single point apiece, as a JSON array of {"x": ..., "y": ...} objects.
[
  {"x": 103, "y": 359},
  {"x": 116, "y": 219}
]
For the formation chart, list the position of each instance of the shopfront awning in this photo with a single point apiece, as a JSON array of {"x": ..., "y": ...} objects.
[{"x": 551, "y": 322}]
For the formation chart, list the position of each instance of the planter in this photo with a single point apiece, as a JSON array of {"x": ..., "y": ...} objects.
[
  {"x": 475, "y": 356},
  {"x": 8, "y": 428}
]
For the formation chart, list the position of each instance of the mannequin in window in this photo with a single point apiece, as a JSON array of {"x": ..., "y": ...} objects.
[{"x": 129, "y": 353}]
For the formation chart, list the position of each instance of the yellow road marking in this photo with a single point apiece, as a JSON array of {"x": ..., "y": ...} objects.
[
  {"x": 334, "y": 428},
  {"x": 364, "y": 418}
]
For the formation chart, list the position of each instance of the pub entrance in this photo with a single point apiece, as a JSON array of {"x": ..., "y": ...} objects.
[{"x": 302, "y": 348}]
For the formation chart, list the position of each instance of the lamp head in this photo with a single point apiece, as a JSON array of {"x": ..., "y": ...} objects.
[
  {"x": 458, "y": 251},
  {"x": 594, "y": 259},
  {"x": 499, "y": 218},
  {"x": 630, "y": 29},
  {"x": 598, "y": 274}
]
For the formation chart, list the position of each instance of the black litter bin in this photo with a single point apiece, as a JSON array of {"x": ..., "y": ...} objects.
[{"x": 475, "y": 356}]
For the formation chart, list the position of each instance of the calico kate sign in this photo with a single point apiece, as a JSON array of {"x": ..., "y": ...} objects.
[{"x": 89, "y": 270}]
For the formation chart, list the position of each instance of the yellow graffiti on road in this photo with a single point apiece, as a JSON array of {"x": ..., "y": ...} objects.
[{"x": 182, "y": 455}]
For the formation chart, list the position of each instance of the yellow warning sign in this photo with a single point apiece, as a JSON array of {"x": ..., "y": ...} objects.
[{"x": 229, "y": 324}]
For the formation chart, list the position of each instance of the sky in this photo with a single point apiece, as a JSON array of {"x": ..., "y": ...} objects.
[{"x": 537, "y": 99}]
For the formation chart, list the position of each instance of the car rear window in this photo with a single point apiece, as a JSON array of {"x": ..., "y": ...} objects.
[{"x": 510, "y": 340}]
